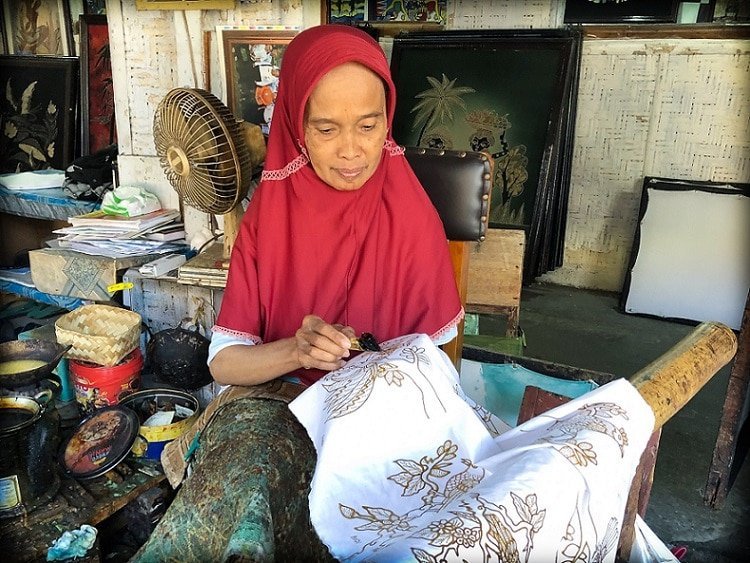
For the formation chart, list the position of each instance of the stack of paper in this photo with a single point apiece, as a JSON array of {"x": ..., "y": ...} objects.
[
  {"x": 117, "y": 236},
  {"x": 208, "y": 268}
]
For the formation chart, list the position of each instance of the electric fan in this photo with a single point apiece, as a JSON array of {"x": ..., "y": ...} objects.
[{"x": 204, "y": 155}]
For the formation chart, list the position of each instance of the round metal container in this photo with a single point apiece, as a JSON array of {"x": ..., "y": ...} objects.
[
  {"x": 152, "y": 439},
  {"x": 100, "y": 442},
  {"x": 32, "y": 349},
  {"x": 28, "y": 442}
]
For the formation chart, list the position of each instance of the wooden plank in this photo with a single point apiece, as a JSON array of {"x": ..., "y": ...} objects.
[
  {"x": 495, "y": 268},
  {"x": 540, "y": 366},
  {"x": 720, "y": 471},
  {"x": 638, "y": 497}
]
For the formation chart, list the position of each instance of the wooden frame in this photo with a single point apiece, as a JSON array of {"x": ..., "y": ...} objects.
[
  {"x": 97, "y": 92},
  {"x": 252, "y": 61},
  {"x": 48, "y": 30},
  {"x": 633, "y": 11},
  {"x": 523, "y": 116},
  {"x": 38, "y": 122}
]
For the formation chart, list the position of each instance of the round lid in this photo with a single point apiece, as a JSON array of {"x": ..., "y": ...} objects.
[{"x": 100, "y": 442}]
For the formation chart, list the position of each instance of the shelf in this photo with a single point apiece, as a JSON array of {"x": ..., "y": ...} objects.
[
  {"x": 17, "y": 281},
  {"x": 49, "y": 204}
]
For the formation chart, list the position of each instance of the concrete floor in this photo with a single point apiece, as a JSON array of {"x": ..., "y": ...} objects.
[{"x": 586, "y": 329}]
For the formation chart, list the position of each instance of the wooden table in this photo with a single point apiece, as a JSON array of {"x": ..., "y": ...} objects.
[{"x": 27, "y": 537}]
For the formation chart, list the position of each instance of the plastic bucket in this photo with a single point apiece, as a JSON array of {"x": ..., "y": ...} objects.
[
  {"x": 100, "y": 386},
  {"x": 152, "y": 439}
]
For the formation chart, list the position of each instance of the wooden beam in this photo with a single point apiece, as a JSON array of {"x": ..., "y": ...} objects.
[{"x": 670, "y": 381}]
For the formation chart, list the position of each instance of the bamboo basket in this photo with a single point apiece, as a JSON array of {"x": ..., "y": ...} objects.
[{"x": 99, "y": 334}]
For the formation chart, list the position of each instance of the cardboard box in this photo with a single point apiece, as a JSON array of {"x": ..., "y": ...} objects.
[{"x": 67, "y": 272}]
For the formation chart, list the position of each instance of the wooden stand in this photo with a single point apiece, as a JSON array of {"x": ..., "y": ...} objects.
[{"x": 725, "y": 462}]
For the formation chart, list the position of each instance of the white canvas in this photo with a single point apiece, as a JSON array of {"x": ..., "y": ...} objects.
[{"x": 693, "y": 257}]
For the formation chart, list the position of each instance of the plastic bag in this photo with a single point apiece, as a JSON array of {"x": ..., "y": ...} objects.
[
  {"x": 89, "y": 177},
  {"x": 129, "y": 201}
]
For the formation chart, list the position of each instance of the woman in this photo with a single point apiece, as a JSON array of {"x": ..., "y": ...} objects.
[{"x": 339, "y": 239}]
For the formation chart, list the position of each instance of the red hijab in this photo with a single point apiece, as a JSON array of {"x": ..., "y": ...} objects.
[{"x": 375, "y": 259}]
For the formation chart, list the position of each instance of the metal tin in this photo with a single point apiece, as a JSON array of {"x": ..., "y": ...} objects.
[
  {"x": 152, "y": 439},
  {"x": 28, "y": 441},
  {"x": 100, "y": 442}
]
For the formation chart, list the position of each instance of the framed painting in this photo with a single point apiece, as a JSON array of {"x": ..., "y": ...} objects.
[
  {"x": 94, "y": 7},
  {"x": 252, "y": 61},
  {"x": 360, "y": 11},
  {"x": 97, "y": 94},
  {"x": 39, "y": 27},
  {"x": 38, "y": 112},
  {"x": 347, "y": 12},
  {"x": 632, "y": 11},
  {"x": 510, "y": 94},
  {"x": 419, "y": 11}
]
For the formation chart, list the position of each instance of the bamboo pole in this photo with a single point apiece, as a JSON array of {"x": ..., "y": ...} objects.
[{"x": 669, "y": 382}]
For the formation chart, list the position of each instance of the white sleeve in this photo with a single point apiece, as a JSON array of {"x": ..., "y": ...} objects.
[
  {"x": 447, "y": 337},
  {"x": 219, "y": 341}
]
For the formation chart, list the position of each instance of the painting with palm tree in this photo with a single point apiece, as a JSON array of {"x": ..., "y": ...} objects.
[{"x": 507, "y": 93}]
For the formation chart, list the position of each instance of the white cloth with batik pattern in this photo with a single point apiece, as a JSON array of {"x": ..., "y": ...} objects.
[{"x": 410, "y": 469}]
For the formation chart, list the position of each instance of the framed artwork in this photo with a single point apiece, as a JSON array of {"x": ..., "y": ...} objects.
[
  {"x": 94, "y": 7},
  {"x": 38, "y": 112},
  {"x": 731, "y": 11},
  {"x": 511, "y": 94},
  {"x": 97, "y": 94},
  {"x": 38, "y": 27},
  {"x": 360, "y": 11},
  {"x": 252, "y": 61},
  {"x": 631, "y": 11}
]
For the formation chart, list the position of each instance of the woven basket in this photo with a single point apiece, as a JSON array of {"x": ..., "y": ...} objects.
[{"x": 99, "y": 334}]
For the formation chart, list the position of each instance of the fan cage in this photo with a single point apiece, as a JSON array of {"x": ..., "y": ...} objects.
[{"x": 201, "y": 150}]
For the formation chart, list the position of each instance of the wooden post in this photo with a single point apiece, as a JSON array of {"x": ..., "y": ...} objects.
[
  {"x": 460, "y": 259},
  {"x": 723, "y": 463},
  {"x": 669, "y": 382}
]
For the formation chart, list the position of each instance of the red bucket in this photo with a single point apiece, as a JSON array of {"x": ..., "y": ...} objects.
[{"x": 100, "y": 386}]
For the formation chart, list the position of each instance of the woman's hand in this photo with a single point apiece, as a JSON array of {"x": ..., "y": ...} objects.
[{"x": 321, "y": 345}]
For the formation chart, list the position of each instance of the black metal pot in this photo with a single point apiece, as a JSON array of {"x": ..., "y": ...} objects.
[
  {"x": 32, "y": 349},
  {"x": 178, "y": 357},
  {"x": 28, "y": 442}
]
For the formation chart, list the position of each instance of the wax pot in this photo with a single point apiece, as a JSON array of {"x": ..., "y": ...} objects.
[{"x": 28, "y": 441}]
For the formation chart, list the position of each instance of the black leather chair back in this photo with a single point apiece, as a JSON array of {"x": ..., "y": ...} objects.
[{"x": 459, "y": 184}]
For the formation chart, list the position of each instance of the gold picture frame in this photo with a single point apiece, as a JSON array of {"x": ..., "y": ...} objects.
[{"x": 252, "y": 61}]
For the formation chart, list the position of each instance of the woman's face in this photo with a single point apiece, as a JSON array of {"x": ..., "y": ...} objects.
[{"x": 345, "y": 126}]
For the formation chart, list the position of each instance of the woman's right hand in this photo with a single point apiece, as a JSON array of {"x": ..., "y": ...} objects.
[{"x": 321, "y": 345}]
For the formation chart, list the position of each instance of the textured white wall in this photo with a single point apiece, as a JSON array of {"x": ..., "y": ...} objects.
[
  {"x": 676, "y": 109},
  {"x": 154, "y": 51}
]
